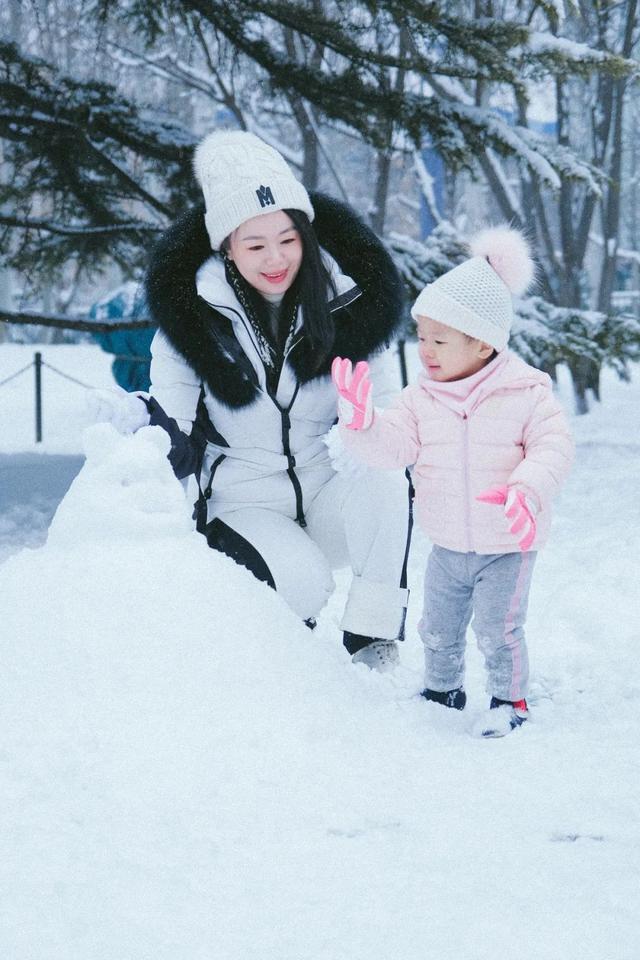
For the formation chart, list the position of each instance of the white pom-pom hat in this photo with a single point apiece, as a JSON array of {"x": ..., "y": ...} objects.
[
  {"x": 243, "y": 177},
  {"x": 476, "y": 297}
]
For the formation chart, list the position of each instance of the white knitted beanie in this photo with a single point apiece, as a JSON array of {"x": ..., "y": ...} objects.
[
  {"x": 242, "y": 177},
  {"x": 476, "y": 296}
]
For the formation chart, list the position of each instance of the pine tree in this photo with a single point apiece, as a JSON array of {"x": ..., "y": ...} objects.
[
  {"x": 95, "y": 174},
  {"x": 82, "y": 158}
]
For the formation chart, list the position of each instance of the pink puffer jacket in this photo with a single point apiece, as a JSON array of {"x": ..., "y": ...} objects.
[{"x": 509, "y": 430}]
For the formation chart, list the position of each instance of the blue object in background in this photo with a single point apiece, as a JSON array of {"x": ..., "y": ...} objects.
[
  {"x": 131, "y": 347},
  {"x": 434, "y": 165}
]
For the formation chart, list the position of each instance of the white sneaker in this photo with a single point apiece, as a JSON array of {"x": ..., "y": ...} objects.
[{"x": 381, "y": 655}]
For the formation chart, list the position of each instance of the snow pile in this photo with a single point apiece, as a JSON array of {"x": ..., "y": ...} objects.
[
  {"x": 189, "y": 773},
  {"x": 165, "y": 719},
  {"x": 125, "y": 490}
]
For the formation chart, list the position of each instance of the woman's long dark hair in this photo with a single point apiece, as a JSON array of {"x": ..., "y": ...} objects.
[{"x": 311, "y": 290}]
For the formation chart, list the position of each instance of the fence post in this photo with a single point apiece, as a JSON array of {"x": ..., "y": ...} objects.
[
  {"x": 37, "y": 362},
  {"x": 403, "y": 363}
]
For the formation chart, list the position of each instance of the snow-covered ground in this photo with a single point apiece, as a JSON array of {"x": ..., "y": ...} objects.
[{"x": 189, "y": 774}]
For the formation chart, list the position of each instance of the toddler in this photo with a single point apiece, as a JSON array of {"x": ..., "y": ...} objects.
[{"x": 489, "y": 446}]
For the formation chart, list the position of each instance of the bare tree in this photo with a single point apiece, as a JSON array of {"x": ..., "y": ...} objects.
[{"x": 591, "y": 112}]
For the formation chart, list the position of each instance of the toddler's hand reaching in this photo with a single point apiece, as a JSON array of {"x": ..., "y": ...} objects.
[
  {"x": 518, "y": 508},
  {"x": 355, "y": 402}
]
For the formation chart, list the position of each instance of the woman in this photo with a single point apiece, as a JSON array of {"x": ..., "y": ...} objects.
[{"x": 253, "y": 301}]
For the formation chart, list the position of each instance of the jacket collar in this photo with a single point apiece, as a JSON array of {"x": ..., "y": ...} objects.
[
  {"x": 212, "y": 285},
  {"x": 506, "y": 371}
]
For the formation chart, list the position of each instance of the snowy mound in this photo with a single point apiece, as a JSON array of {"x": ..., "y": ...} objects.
[
  {"x": 125, "y": 490},
  {"x": 160, "y": 707},
  {"x": 188, "y": 773}
]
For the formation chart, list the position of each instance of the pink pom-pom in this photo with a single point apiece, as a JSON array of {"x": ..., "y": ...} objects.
[{"x": 508, "y": 253}]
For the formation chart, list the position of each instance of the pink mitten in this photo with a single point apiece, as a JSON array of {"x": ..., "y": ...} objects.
[
  {"x": 518, "y": 508},
  {"x": 355, "y": 402}
]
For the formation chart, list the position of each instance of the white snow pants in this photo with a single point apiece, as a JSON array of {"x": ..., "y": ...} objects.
[{"x": 363, "y": 525}]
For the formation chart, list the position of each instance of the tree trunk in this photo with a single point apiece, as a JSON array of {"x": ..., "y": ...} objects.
[
  {"x": 379, "y": 208},
  {"x": 612, "y": 206}
]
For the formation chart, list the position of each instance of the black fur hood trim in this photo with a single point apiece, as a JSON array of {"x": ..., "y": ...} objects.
[{"x": 204, "y": 336}]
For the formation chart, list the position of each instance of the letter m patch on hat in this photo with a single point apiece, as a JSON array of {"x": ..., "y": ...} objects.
[{"x": 265, "y": 196}]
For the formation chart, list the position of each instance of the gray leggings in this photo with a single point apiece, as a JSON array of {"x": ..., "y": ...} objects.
[{"x": 495, "y": 589}]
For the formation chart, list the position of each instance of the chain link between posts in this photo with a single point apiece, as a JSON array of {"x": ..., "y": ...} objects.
[
  {"x": 61, "y": 373},
  {"x": 16, "y": 374},
  {"x": 38, "y": 363}
]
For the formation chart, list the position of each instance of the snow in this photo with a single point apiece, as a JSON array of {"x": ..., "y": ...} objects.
[
  {"x": 188, "y": 772},
  {"x": 501, "y": 175},
  {"x": 31, "y": 487},
  {"x": 426, "y": 182},
  {"x": 570, "y": 50},
  {"x": 515, "y": 138}
]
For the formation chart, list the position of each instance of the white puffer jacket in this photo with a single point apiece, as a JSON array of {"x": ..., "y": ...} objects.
[{"x": 250, "y": 447}]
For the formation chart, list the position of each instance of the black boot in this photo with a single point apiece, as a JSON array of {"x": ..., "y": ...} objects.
[{"x": 455, "y": 699}]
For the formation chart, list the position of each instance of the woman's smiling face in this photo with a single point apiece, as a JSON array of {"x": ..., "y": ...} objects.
[{"x": 267, "y": 250}]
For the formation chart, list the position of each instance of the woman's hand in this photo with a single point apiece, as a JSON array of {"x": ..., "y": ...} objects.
[
  {"x": 355, "y": 402},
  {"x": 127, "y": 412}
]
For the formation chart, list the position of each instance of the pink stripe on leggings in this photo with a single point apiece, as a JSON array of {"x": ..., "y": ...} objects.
[{"x": 514, "y": 606}]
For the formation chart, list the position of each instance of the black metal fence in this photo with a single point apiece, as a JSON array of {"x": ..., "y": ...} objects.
[{"x": 37, "y": 365}]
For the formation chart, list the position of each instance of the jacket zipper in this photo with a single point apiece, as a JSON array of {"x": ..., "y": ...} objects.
[
  {"x": 285, "y": 420},
  {"x": 291, "y": 460},
  {"x": 467, "y": 490}
]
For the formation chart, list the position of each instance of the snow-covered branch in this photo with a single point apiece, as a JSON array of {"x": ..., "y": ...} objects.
[
  {"x": 426, "y": 186},
  {"x": 78, "y": 230}
]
